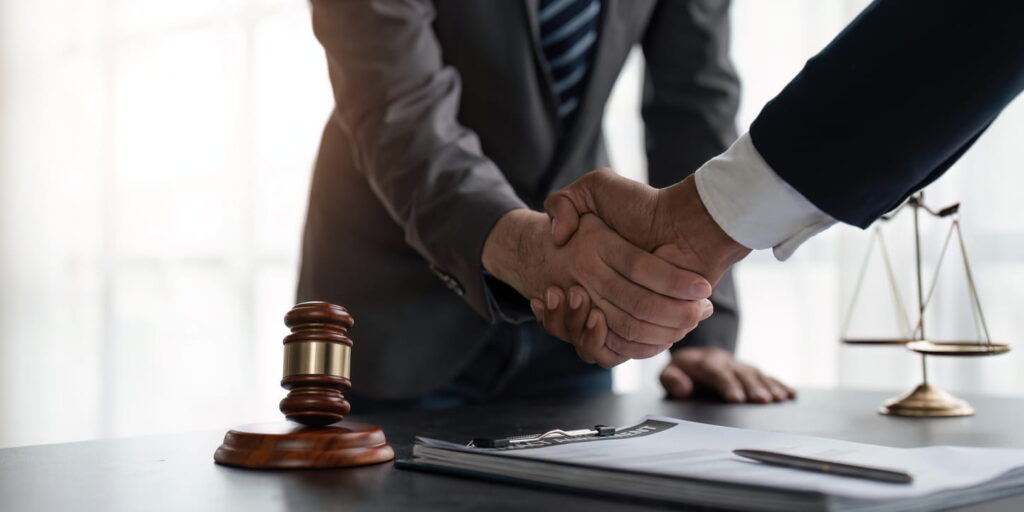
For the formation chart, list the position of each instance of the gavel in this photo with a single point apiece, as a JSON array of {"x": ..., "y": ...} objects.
[
  {"x": 317, "y": 356},
  {"x": 317, "y": 359}
]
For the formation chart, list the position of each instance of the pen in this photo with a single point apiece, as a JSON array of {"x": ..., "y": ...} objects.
[{"x": 827, "y": 466}]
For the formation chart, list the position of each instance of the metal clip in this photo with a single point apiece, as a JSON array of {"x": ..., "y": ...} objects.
[{"x": 597, "y": 431}]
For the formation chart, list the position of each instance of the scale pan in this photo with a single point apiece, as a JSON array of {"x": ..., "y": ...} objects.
[
  {"x": 958, "y": 348},
  {"x": 875, "y": 341}
]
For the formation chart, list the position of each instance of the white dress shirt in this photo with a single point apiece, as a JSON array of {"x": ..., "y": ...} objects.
[{"x": 753, "y": 205}]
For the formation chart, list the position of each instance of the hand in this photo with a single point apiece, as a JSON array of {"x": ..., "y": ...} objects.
[
  {"x": 672, "y": 220},
  {"x": 571, "y": 318},
  {"x": 717, "y": 370},
  {"x": 647, "y": 302}
]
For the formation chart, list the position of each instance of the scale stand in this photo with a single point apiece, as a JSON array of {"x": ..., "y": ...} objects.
[{"x": 925, "y": 400}]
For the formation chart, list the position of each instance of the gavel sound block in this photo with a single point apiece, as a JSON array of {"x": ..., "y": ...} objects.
[{"x": 316, "y": 369}]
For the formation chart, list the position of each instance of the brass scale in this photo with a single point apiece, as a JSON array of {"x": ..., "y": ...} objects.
[{"x": 925, "y": 400}]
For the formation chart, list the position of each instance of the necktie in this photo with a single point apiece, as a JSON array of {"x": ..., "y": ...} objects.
[{"x": 568, "y": 31}]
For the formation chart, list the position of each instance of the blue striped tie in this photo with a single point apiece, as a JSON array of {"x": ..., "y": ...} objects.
[{"x": 568, "y": 31}]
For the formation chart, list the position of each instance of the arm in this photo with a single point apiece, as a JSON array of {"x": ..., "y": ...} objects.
[
  {"x": 892, "y": 102},
  {"x": 887, "y": 107},
  {"x": 397, "y": 103}
]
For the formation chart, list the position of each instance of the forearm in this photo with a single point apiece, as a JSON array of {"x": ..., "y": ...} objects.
[
  {"x": 707, "y": 248},
  {"x": 512, "y": 251}
]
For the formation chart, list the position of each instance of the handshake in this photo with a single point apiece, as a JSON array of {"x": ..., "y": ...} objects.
[{"x": 617, "y": 268}]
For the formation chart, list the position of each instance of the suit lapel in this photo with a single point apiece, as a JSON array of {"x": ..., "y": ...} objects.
[{"x": 531, "y": 8}]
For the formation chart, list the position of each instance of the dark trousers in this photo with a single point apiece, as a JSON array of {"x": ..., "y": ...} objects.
[{"x": 515, "y": 362}]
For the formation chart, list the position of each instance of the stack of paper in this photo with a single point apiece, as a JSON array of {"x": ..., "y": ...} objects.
[{"x": 683, "y": 462}]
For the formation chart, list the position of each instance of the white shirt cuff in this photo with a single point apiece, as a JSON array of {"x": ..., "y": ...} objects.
[{"x": 753, "y": 205}]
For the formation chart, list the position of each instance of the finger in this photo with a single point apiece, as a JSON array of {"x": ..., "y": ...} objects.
[
  {"x": 579, "y": 309},
  {"x": 676, "y": 382},
  {"x": 780, "y": 390},
  {"x": 632, "y": 349},
  {"x": 639, "y": 302},
  {"x": 555, "y": 312},
  {"x": 653, "y": 273},
  {"x": 544, "y": 319},
  {"x": 633, "y": 329},
  {"x": 724, "y": 381},
  {"x": 591, "y": 343},
  {"x": 754, "y": 386},
  {"x": 596, "y": 334},
  {"x": 538, "y": 310}
]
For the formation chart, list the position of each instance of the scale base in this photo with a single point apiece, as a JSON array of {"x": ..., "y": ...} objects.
[{"x": 926, "y": 401}]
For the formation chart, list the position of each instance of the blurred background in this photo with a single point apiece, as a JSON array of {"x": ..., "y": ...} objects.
[{"x": 154, "y": 165}]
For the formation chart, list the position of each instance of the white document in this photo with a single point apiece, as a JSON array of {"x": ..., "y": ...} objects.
[{"x": 659, "y": 446}]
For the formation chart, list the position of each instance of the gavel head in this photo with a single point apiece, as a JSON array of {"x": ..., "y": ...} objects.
[{"x": 316, "y": 363}]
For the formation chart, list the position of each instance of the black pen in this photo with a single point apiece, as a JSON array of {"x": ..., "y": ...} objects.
[{"x": 827, "y": 466}]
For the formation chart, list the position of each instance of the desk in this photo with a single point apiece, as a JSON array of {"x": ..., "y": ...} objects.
[{"x": 177, "y": 473}]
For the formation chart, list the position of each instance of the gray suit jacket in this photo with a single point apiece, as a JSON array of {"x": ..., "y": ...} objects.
[{"x": 445, "y": 119}]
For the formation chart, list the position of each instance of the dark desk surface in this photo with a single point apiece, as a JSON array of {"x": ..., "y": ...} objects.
[{"x": 176, "y": 472}]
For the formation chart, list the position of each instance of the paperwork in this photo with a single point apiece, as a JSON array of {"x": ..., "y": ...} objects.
[{"x": 678, "y": 461}]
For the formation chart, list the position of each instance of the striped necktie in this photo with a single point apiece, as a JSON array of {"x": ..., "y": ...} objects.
[{"x": 568, "y": 31}]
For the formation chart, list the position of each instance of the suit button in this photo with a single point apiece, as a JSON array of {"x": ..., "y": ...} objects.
[
  {"x": 448, "y": 280},
  {"x": 456, "y": 287}
]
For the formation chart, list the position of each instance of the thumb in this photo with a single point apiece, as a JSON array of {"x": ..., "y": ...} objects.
[
  {"x": 580, "y": 197},
  {"x": 565, "y": 219},
  {"x": 676, "y": 382},
  {"x": 626, "y": 206}
]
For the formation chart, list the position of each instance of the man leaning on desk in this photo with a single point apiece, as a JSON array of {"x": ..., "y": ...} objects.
[{"x": 454, "y": 120}]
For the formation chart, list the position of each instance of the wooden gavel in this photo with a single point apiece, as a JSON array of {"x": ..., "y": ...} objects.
[{"x": 317, "y": 356}]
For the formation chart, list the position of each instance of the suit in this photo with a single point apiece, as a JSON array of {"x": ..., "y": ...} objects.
[
  {"x": 892, "y": 102},
  {"x": 445, "y": 120}
]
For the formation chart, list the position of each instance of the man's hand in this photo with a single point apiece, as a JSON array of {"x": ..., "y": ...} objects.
[
  {"x": 716, "y": 370},
  {"x": 647, "y": 302},
  {"x": 571, "y": 318},
  {"x": 672, "y": 220}
]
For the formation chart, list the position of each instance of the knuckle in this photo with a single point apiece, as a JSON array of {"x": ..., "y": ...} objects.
[
  {"x": 635, "y": 266},
  {"x": 679, "y": 334},
  {"x": 633, "y": 330},
  {"x": 689, "y": 315},
  {"x": 707, "y": 365},
  {"x": 680, "y": 283},
  {"x": 645, "y": 309},
  {"x": 620, "y": 347}
]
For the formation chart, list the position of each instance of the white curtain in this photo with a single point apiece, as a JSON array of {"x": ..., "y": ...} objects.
[{"x": 154, "y": 163}]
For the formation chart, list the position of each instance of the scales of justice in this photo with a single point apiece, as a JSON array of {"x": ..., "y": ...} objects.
[{"x": 925, "y": 400}]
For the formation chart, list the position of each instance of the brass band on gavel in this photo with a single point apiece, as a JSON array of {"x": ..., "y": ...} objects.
[{"x": 316, "y": 357}]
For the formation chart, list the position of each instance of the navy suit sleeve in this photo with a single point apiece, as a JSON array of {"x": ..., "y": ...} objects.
[{"x": 892, "y": 102}]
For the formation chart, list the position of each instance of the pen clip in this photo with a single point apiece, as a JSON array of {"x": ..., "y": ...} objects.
[{"x": 505, "y": 442}]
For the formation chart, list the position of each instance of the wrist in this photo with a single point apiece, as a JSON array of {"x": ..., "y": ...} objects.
[
  {"x": 694, "y": 230},
  {"x": 512, "y": 252}
]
